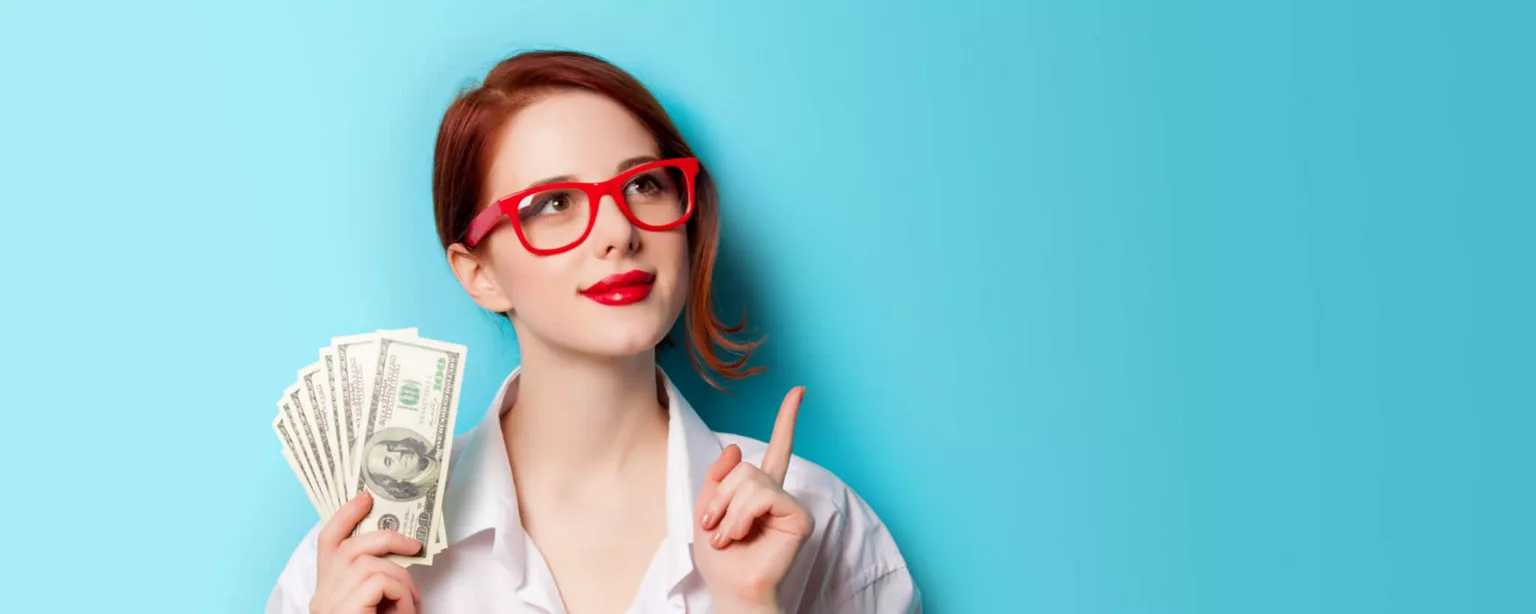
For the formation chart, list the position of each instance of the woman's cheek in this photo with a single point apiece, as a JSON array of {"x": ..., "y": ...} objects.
[
  {"x": 554, "y": 305},
  {"x": 680, "y": 264}
]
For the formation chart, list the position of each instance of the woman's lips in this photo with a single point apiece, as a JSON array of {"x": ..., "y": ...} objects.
[{"x": 621, "y": 288}]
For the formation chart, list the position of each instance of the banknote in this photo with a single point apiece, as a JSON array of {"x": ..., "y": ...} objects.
[
  {"x": 307, "y": 449},
  {"x": 306, "y": 479},
  {"x": 356, "y": 358},
  {"x": 406, "y": 439},
  {"x": 376, "y": 412}
]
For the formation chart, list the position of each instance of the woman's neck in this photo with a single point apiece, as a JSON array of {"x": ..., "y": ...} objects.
[{"x": 579, "y": 420}]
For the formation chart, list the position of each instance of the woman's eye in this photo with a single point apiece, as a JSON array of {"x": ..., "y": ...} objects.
[
  {"x": 555, "y": 203},
  {"x": 645, "y": 184}
]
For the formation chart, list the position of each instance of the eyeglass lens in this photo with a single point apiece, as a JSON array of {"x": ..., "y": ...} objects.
[{"x": 557, "y": 217}]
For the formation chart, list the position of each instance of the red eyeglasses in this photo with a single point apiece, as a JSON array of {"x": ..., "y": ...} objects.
[{"x": 553, "y": 218}]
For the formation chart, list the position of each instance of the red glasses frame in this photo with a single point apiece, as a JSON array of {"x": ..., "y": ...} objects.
[{"x": 506, "y": 206}]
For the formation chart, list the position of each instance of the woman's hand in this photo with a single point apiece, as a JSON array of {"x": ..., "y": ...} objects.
[
  {"x": 352, "y": 576},
  {"x": 747, "y": 529}
]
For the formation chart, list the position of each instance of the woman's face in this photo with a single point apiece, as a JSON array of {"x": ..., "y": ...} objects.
[{"x": 577, "y": 136}]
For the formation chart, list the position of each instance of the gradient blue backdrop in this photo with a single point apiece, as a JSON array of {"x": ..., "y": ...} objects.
[{"x": 1105, "y": 306}]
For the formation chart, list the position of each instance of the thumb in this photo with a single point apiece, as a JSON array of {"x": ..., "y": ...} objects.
[{"x": 729, "y": 458}]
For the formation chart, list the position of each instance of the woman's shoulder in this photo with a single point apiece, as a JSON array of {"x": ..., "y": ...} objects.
[
  {"x": 460, "y": 441},
  {"x": 296, "y": 582},
  {"x": 851, "y": 559}
]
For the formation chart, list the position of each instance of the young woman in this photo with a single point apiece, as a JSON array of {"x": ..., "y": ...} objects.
[{"x": 567, "y": 200}]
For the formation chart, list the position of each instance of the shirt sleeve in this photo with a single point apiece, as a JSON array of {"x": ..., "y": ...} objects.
[
  {"x": 856, "y": 566},
  {"x": 296, "y": 584},
  {"x": 893, "y": 592}
]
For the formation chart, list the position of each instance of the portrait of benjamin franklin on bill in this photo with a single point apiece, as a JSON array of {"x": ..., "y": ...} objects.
[{"x": 399, "y": 464}]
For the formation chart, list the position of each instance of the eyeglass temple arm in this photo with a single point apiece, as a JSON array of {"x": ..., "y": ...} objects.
[{"x": 482, "y": 224}]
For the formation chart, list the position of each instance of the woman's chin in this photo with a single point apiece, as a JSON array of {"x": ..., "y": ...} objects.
[
  {"x": 619, "y": 342},
  {"x": 607, "y": 333}
]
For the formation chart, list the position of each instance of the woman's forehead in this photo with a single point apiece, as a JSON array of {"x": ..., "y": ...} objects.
[{"x": 579, "y": 134}]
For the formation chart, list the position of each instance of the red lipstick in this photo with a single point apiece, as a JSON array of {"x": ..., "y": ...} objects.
[{"x": 621, "y": 288}]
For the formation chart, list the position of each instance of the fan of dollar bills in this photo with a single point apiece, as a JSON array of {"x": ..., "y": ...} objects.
[{"x": 376, "y": 412}]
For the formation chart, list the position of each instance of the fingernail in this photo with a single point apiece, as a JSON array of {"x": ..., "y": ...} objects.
[
  {"x": 707, "y": 517},
  {"x": 718, "y": 539}
]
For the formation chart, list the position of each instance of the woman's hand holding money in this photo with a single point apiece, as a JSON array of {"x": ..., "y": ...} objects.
[{"x": 352, "y": 574}]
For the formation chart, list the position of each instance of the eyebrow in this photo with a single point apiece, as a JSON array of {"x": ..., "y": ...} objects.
[{"x": 623, "y": 166}]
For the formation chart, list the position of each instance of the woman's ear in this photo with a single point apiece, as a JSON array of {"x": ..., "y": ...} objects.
[{"x": 475, "y": 274}]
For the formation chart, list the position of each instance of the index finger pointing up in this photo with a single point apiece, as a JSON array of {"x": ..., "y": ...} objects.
[{"x": 781, "y": 445}]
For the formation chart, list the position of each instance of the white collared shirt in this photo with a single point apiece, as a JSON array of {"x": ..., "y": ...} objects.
[{"x": 850, "y": 563}]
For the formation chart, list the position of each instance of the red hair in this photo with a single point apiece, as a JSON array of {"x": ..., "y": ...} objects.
[{"x": 467, "y": 139}]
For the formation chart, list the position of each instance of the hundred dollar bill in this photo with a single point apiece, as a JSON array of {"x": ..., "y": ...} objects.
[
  {"x": 330, "y": 373},
  {"x": 301, "y": 449},
  {"x": 286, "y": 438},
  {"x": 439, "y": 536},
  {"x": 319, "y": 436},
  {"x": 356, "y": 360},
  {"x": 407, "y": 438},
  {"x": 316, "y": 399},
  {"x": 288, "y": 446}
]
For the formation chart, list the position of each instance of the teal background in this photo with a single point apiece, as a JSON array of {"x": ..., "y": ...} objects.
[{"x": 1132, "y": 306}]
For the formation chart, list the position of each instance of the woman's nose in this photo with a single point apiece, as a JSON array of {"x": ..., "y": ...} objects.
[{"x": 612, "y": 231}]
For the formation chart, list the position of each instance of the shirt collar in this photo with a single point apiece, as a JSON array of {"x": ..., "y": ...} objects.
[{"x": 481, "y": 496}]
